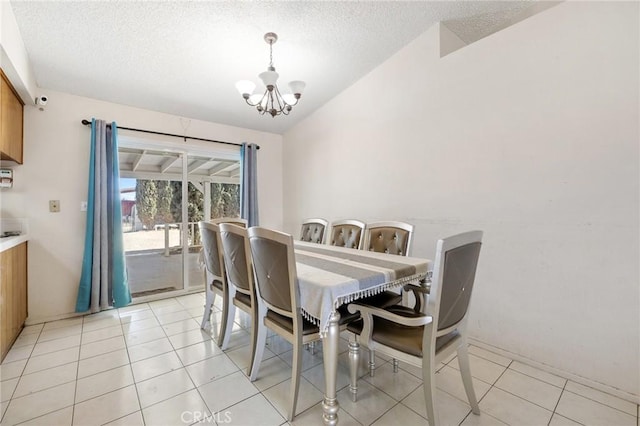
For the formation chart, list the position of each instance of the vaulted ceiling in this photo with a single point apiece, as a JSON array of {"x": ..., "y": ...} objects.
[{"x": 183, "y": 58}]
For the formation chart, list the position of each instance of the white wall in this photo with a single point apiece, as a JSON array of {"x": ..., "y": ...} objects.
[
  {"x": 14, "y": 60},
  {"x": 531, "y": 135},
  {"x": 56, "y": 155}
]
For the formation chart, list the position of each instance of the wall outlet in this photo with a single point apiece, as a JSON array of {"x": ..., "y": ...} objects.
[
  {"x": 83, "y": 206},
  {"x": 54, "y": 206}
]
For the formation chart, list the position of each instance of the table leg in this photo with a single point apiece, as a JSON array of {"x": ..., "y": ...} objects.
[{"x": 330, "y": 354}]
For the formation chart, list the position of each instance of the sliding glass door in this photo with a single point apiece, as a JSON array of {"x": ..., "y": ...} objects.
[{"x": 164, "y": 193}]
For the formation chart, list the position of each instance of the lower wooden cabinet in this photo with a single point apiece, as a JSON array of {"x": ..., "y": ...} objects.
[{"x": 13, "y": 295}]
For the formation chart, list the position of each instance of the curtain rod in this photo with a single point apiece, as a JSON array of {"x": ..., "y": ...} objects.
[{"x": 88, "y": 123}]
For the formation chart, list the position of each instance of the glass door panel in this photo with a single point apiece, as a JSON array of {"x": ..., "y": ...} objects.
[
  {"x": 152, "y": 225},
  {"x": 164, "y": 194}
]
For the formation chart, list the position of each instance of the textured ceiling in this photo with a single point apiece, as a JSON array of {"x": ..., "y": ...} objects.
[{"x": 183, "y": 58}]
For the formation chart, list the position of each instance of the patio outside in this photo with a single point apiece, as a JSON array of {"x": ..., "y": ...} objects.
[{"x": 154, "y": 267}]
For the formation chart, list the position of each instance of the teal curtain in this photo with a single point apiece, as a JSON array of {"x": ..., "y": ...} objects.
[
  {"x": 249, "y": 183},
  {"x": 103, "y": 282}
]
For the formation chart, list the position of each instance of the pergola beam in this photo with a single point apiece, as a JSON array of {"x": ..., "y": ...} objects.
[
  {"x": 168, "y": 163},
  {"x": 220, "y": 167},
  {"x": 196, "y": 165},
  {"x": 137, "y": 161}
]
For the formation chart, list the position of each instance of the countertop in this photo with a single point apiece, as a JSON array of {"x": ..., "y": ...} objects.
[{"x": 10, "y": 242}]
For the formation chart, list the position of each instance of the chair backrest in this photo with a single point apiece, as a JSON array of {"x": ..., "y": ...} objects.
[
  {"x": 211, "y": 246},
  {"x": 237, "y": 256},
  {"x": 275, "y": 270},
  {"x": 389, "y": 237},
  {"x": 347, "y": 233},
  {"x": 313, "y": 230},
  {"x": 452, "y": 281},
  {"x": 233, "y": 220}
]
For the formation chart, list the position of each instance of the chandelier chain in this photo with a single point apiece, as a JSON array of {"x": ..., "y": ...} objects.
[{"x": 271, "y": 54}]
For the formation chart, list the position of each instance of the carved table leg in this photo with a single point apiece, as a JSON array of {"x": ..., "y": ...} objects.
[{"x": 330, "y": 404}]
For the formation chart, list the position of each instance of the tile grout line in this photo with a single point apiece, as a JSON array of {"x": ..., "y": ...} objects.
[
  {"x": 20, "y": 376},
  {"x": 600, "y": 402},
  {"x": 558, "y": 402},
  {"x": 75, "y": 390},
  {"x": 135, "y": 386},
  {"x": 491, "y": 387}
]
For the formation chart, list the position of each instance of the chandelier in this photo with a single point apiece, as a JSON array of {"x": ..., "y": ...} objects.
[{"x": 271, "y": 101}]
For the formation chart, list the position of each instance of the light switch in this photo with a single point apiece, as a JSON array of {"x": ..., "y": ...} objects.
[{"x": 54, "y": 206}]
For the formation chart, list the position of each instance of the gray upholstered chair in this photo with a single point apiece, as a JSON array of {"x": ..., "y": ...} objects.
[
  {"x": 241, "y": 289},
  {"x": 215, "y": 278},
  {"x": 279, "y": 308},
  {"x": 347, "y": 233},
  {"x": 424, "y": 340},
  {"x": 389, "y": 237},
  {"x": 232, "y": 220},
  {"x": 313, "y": 230}
]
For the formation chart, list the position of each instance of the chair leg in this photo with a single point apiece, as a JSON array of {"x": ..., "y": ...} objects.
[
  {"x": 255, "y": 324},
  {"x": 295, "y": 377},
  {"x": 465, "y": 371},
  {"x": 354, "y": 358},
  {"x": 429, "y": 383},
  {"x": 312, "y": 348},
  {"x": 395, "y": 365},
  {"x": 372, "y": 362},
  {"x": 223, "y": 320},
  {"x": 210, "y": 297},
  {"x": 261, "y": 340},
  {"x": 226, "y": 334}
]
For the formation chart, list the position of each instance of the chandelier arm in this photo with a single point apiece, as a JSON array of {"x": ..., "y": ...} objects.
[{"x": 280, "y": 99}]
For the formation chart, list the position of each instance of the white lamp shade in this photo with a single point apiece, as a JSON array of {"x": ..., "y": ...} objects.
[
  {"x": 245, "y": 86},
  {"x": 297, "y": 86},
  {"x": 269, "y": 78},
  {"x": 255, "y": 99},
  {"x": 289, "y": 98}
]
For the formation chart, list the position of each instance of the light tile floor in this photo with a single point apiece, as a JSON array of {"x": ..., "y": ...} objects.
[{"x": 150, "y": 364}]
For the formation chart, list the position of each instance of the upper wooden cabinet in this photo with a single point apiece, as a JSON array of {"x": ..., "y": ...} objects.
[{"x": 11, "y": 118}]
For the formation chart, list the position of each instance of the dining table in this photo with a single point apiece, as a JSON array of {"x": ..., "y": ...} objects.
[{"x": 330, "y": 276}]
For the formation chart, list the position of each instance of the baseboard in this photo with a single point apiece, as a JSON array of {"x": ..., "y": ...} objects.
[
  {"x": 137, "y": 300},
  {"x": 558, "y": 372},
  {"x": 40, "y": 320}
]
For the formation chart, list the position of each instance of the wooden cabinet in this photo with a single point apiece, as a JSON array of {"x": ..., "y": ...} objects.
[
  {"x": 11, "y": 119},
  {"x": 13, "y": 295}
]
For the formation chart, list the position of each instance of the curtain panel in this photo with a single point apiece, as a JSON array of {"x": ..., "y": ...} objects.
[
  {"x": 249, "y": 183},
  {"x": 103, "y": 281}
]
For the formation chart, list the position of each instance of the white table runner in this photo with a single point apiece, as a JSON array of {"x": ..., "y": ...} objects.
[{"x": 329, "y": 276}]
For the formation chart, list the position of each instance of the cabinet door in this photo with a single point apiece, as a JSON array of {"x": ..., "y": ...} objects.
[
  {"x": 13, "y": 295},
  {"x": 6, "y": 301},
  {"x": 19, "y": 270},
  {"x": 11, "y": 117}
]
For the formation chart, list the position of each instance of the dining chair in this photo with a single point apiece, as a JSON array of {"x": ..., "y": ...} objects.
[
  {"x": 276, "y": 284},
  {"x": 389, "y": 237},
  {"x": 347, "y": 233},
  {"x": 424, "y": 340},
  {"x": 215, "y": 278},
  {"x": 313, "y": 230},
  {"x": 241, "y": 289},
  {"x": 350, "y": 233},
  {"x": 232, "y": 220}
]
